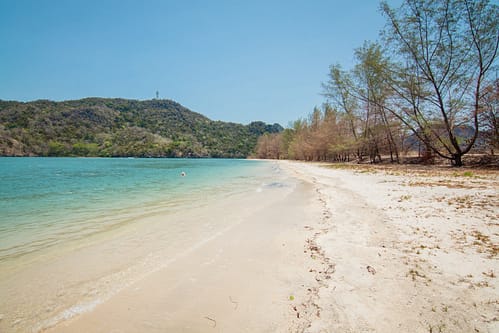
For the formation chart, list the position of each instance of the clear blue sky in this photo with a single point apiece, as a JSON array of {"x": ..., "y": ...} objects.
[{"x": 229, "y": 60}]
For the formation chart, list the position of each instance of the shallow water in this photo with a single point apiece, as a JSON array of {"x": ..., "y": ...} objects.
[
  {"x": 74, "y": 232},
  {"x": 45, "y": 201}
]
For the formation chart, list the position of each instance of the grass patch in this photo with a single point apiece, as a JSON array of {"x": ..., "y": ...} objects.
[
  {"x": 415, "y": 274},
  {"x": 405, "y": 198},
  {"x": 484, "y": 244}
]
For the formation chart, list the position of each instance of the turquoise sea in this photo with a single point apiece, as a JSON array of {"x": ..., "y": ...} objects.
[{"x": 47, "y": 201}]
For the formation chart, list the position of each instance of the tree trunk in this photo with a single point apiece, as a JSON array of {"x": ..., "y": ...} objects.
[{"x": 457, "y": 160}]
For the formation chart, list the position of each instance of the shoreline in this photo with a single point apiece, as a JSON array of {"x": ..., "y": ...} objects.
[
  {"x": 69, "y": 281},
  {"x": 240, "y": 279},
  {"x": 340, "y": 250}
]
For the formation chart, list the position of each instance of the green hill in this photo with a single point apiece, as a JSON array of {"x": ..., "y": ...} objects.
[{"x": 121, "y": 127}]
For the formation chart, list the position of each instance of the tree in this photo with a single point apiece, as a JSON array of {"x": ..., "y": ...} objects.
[
  {"x": 445, "y": 50},
  {"x": 371, "y": 72},
  {"x": 361, "y": 95},
  {"x": 339, "y": 93},
  {"x": 269, "y": 146},
  {"x": 490, "y": 115}
]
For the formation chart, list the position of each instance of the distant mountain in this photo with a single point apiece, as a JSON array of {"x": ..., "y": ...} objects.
[
  {"x": 121, "y": 127},
  {"x": 463, "y": 133}
]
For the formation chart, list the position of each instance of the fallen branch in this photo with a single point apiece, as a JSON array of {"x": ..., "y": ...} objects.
[{"x": 213, "y": 320}]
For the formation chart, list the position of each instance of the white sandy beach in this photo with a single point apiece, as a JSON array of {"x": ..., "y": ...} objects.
[
  {"x": 413, "y": 251},
  {"x": 345, "y": 251}
]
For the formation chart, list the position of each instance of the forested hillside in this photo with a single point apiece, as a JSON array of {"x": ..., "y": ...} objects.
[{"x": 121, "y": 127}]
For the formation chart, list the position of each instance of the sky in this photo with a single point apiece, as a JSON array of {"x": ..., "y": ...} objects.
[{"x": 236, "y": 61}]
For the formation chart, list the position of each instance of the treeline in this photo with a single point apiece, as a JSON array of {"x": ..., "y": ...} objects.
[
  {"x": 120, "y": 128},
  {"x": 329, "y": 135},
  {"x": 429, "y": 85}
]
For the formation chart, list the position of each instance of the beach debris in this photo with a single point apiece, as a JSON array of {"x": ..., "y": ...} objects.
[
  {"x": 291, "y": 298},
  {"x": 489, "y": 274},
  {"x": 212, "y": 320},
  {"x": 236, "y": 304},
  {"x": 296, "y": 310},
  {"x": 371, "y": 270}
]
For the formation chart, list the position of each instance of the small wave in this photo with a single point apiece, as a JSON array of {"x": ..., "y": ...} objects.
[
  {"x": 275, "y": 185},
  {"x": 68, "y": 314}
]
